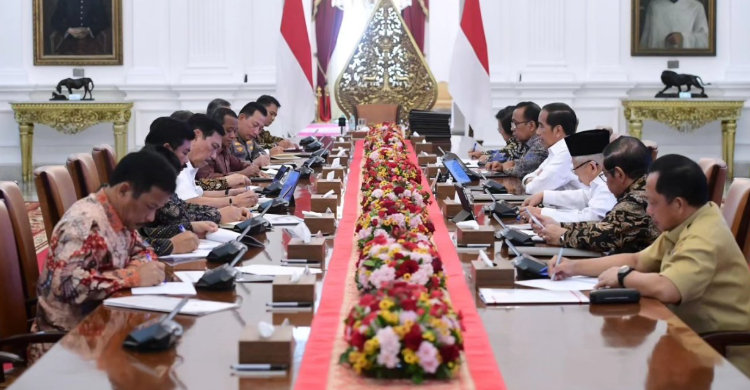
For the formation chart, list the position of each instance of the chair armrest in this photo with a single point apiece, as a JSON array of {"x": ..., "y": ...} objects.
[
  {"x": 32, "y": 338},
  {"x": 7, "y": 357},
  {"x": 721, "y": 340}
]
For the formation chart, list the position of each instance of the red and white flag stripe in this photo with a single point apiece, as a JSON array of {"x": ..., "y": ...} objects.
[
  {"x": 469, "y": 82},
  {"x": 294, "y": 71}
]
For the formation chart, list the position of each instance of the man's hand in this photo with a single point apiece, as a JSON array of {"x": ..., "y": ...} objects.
[
  {"x": 483, "y": 158},
  {"x": 533, "y": 200},
  {"x": 476, "y": 154},
  {"x": 276, "y": 150},
  {"x": 151, "y": 273},
  {"x": 552, "y": 233},
  {"x": 237, "y": 191},
  {"x": 608, "y": 278},
  {"x": 237, "y": 180},
  {"x": 201, "y": 228},
  {"x": 508, "y": 165},
  {"x": 184, "y": 242},
  {"x": 564, "y": 270},
  {"x": 262, "y": 161},
  {"x": 232, "y": 214},
  {"x": 251, "y": 170},
  {"x": 245, "y": 199},
  {"x": 675, "y": 39},
  {"x": 495, "y": 166},
  {"x": 287, "y": 144}
]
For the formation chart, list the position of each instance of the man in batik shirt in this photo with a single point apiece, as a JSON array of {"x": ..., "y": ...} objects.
[
  {"x": 523, "y": 124},
  {"x": 95, "y": 249},
  {"x": 627, "y": 228},
  {"x": 266, "y": 140}
]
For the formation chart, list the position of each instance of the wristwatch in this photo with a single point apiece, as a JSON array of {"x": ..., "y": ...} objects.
[
  {"x": 230, "y": 201},
  {"x": 624, "y": 271}
]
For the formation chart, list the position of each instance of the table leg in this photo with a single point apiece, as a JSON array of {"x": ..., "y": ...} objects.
[
  {"x": 728, "y": 132},
  {"x": 27, "y": 147},
  {"x": 121, "y": 139},
  {"x": 635, "y": 128}
]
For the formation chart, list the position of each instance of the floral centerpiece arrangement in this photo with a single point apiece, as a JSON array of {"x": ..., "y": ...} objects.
[{"x": 404, "y": 331}]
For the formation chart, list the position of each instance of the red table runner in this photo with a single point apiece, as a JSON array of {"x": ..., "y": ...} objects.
[{"x": 320, "y": 368}]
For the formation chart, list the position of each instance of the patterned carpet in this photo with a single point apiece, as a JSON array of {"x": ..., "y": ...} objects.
[{"x": 37, "y": 230}]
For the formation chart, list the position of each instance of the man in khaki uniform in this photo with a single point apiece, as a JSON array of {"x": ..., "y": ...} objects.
[{"x": 695, "y": 266}]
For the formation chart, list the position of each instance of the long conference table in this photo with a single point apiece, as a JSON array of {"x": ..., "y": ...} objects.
[{"x": 636, "y": 346}]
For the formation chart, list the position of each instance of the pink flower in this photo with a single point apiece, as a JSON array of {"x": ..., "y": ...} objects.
[
  {"x": 364, "y": 233},
  {"x": 382, "y": 275},
  {"x": 414, "y": 222},
  {"x": 427, "y": 354},
  {"x": 407, "y": 315},
  {"x": 422, "y": 276},
  {"x": 389, "y": 347},
  {"x": 377, "y": 194}
]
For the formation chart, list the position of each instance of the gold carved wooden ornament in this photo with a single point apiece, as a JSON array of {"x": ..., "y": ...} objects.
[{"x": 386, "y": 67}]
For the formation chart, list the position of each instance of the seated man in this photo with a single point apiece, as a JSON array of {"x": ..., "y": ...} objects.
[
  {"x": 532, "y": 153},
  {"x": 556, "y": 121},
  {"x": 95, "y": 249},
  {"x": 590, "y": 203},
  {"x": 216, "y": 104},
  {"x": 226, "y": 164},
  {"x": 165, "y": 233},
  {"x": 512, "y": 149},
  {"x": 181, "y": 115},
  {"x": 695, "y": 266},
  {"x": 275, "y": 144},
  {"x": 627, "y": 228},
  {"x": 206, "y": 143},
  {"x": 246, "y": 148}
]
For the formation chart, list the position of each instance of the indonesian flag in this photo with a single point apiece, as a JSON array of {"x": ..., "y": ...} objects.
[
  {"x": 294, "y": 70},
  {"x": 470, "y": 72}
]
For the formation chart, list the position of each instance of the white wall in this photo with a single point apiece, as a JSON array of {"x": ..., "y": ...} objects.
[{"x": 179, "y": 54}]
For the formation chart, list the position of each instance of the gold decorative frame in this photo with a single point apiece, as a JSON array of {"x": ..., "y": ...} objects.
[
  {"x": 635, "y": 29},
  {"x": 116, "y": 58},
  {"x": 386, "y": 67}
]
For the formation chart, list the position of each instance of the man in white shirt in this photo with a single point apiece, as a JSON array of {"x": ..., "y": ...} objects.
[
  {"x": 556, "y": 121},
  {"x": 675, "y": 24},
  {"x": 208, "y": 140},
  {"x": 588, "y": 204}
]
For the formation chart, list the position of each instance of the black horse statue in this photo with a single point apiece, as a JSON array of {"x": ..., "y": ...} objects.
[
  {"x": 672, "y": 79},
  {"x": 86, "y": 83}
]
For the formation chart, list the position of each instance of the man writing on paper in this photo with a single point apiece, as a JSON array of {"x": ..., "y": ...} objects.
[
  {"x": 226, "y": 163},
  {"x": 276, "y": 145},
  {"x": 95, "y": 249},
  {"x": 513, "y": 150},
  {"x": 532, "y": 152},
  {"x": 590, "y": 203},
  {"x": 207, "y": 141},
  {"x": 627, "y": 228},
  {"x": 556, "y": 121},
  {"x": 246, "y": 147},
  {"x": 695, "y": 266}
]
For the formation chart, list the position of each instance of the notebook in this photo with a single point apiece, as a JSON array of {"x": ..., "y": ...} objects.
[
  {"x": 194, "y": 307},
  {"x": 212, "y": 240},
  {"x": 499, "y": 296}
]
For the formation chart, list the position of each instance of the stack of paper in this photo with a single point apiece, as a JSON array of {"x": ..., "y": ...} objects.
[
  {"x": 577, "y": 283},
  {"x": 171, "y": 288},
  {"x": 498, "y": 296},
  {"x": 273, "y": 270},
  {"x": 194, "y": 307}
]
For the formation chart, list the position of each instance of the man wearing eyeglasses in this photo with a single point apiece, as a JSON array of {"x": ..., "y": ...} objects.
[
  {"x": 627, "y": 228},
  {"x": 588, "y": 204},
  {"x": 524, "y": 127}
]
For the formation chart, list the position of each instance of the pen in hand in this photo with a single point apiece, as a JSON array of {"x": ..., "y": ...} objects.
[{"x": 557, "y": 262}]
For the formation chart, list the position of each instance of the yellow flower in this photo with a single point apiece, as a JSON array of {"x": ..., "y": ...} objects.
[
  {"x": 424, "y": 297},
  {"x": 409, "y": 356},
  {"x": 371, "y": 346},
  {"x": 353, "y": 356},
  {"x": 429, "y": 336},
  {"x": 389, "y": 317},
  {"x": 357, "y": 324},
  {"x": 451, "y": 364},
  {"x": 407, "y": 277},
  {"x": 400, "y": 331},
  {"x": 386, "y": 304},
  {"x": 408, "y": 324}
]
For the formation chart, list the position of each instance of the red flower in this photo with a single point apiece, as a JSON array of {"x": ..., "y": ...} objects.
[
  {"x": 449, "y": 353},
  {"x": 407, "y": 267},
  {"x": 437, "y": 264},
  {"x": 413, "y": 339},
  {"x": 370, "y": 318},
  {"x": 358, "y": 340},
  {"x": 409, "y": 304},
  {"x": 398, "y": 190}
]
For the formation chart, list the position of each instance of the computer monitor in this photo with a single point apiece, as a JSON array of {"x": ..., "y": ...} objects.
[
  {"x": 457, "y": 171},
  {"x": 280, "y": 174},
  {"x": 287, "y": 192}
]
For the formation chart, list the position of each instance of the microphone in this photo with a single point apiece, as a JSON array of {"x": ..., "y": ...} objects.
[
  {"x": 158, "y": 336},
  {"x": 223, "y": 276},
  {"x": 499, "y": 208},
  {"x": 511, "y": 235},
  {"x": 224, "y": 253}
]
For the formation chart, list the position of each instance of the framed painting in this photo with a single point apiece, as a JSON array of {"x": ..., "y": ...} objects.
[
  {"x": 673, "y": 28},
  {"x": 77, "y": 32}
]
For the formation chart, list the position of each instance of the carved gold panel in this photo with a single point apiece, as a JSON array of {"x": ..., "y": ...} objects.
[{"x": 386, "y": 67}]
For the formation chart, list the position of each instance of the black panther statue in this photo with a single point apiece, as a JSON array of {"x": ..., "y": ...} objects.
[
  {"x": 86, "y": 83},
  {"x": 672, "y": 79}
]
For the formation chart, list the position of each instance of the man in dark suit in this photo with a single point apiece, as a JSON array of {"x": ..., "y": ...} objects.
[{"x": 79, "y": 23}]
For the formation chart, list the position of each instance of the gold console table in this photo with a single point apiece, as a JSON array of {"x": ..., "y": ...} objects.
[
  {"x": 686, "y": 116},
  {"x": 69, "y": 118}
]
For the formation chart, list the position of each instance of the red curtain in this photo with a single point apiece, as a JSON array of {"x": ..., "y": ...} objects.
[
  {"x": 327, "y": 24},
  {"x": 415, "y": 18}
]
